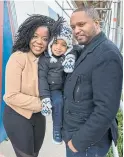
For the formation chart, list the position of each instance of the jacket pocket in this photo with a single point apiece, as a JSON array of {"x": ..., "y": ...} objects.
[
  {"x": 78, "y": 117},
  {"x": 55, "y": 80},
  {"x": 67, "y": 135},
  {"x": 77, "y": 92}
]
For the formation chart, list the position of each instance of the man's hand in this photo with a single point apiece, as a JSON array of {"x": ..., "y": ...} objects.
[
  {"x": 70, "y": 145},
  {"x": 46, "y": 107}
]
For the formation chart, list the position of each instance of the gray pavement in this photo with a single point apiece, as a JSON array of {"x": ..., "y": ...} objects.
[{"x": 48, "y": 149}]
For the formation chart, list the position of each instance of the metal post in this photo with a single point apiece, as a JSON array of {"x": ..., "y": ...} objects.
[
  {"x": 115, "y": 150},
  {"x": 33, "y": 6},
  {"x": 109, "y": 22},
  {"x": 62, "y": 8},
  {"x": 69, "y": 5},
  {"x": 121, "y": 105},
  {"x": 114, "y": 27},
  {"x": 121, "y": 26}
]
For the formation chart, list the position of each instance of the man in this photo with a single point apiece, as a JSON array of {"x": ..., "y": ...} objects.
[{"x": 92, "y": 92}]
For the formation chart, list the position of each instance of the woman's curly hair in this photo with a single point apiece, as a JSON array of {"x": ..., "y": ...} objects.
[{"x": 27, "y": 29}]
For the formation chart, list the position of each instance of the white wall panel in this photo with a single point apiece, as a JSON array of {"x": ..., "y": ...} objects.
[{"x": 25, "y": 8}]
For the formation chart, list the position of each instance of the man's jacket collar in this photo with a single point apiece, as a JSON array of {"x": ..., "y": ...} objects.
[{"x": 97, "y": 40}]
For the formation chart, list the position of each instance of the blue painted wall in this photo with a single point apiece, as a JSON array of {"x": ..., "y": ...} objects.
[{"x": 7, "y": 47}]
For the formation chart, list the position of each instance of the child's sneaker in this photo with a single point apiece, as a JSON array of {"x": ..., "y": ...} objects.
[{"x": 57, "y": 137}]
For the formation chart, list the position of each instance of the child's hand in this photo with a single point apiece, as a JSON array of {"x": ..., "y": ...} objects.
[
  {"x": 46, "y": 107},
  {"x": 69, "y": 63}
]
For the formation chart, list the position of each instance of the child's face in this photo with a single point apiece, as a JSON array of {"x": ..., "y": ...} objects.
[{"x": 59, "y": 47}]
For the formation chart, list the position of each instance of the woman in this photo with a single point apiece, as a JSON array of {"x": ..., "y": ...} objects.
[{"x": 23, "y": 121}]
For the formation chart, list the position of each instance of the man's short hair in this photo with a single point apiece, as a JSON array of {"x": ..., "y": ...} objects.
[{"x": 90, "y": 11}]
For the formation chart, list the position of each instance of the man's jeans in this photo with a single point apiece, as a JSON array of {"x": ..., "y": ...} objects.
[
  {"x": 93, "y": 151},
  {"x": 57, "y": 108}
]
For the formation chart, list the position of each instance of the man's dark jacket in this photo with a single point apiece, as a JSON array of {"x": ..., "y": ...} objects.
[{"x": 92, "y": 94}]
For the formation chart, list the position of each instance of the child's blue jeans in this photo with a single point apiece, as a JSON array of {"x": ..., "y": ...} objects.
[{"x": 57, "y": 108}]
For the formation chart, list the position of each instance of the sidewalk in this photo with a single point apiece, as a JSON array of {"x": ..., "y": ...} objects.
[{"x": 48, "y": 149}]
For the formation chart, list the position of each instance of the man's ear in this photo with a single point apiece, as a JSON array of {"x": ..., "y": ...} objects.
[{"x": 97, "y": 22}]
